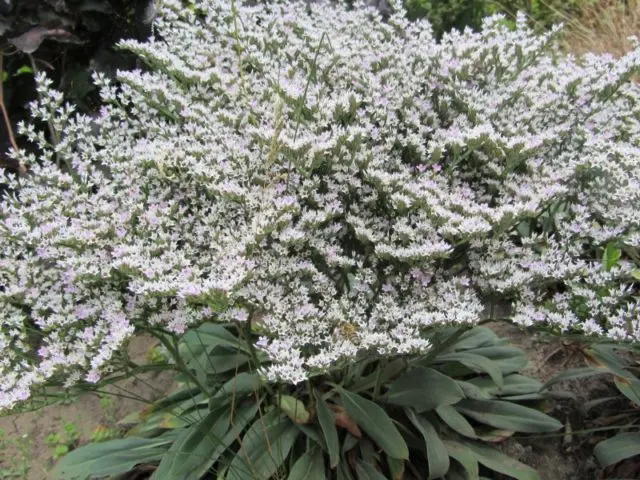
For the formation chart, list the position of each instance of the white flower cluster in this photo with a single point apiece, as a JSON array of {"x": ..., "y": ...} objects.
[{"x": 340, "y": 181}]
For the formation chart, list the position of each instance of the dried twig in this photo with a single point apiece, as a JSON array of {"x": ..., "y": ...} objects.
[{"x": 12, "y": 139}]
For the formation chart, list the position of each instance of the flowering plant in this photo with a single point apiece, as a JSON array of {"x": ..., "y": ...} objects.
[{"x": 333, "y": 183}]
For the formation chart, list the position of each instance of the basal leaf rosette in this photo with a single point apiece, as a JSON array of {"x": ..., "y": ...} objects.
[{"x": 333, "y": 180}]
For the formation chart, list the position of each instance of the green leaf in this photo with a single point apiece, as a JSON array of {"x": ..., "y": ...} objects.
[
  {"x": 387, "y": 372},
  {"x": 475, "y": 363},
  {"x": 215, "y": 334},
  {"x": 635, "y": 273},
  {"x": 264, "y": 448},
  {"x": 476, "y": 338},
  {"x": 508, "y": 416},
  {"x": 194, "y": 446},
  {"x": 216, "y": 364},
  {"x": 465, "y": 457},
  {"x": 376, "y": 423},
  {"x": 472, "y": 391},
  {"x": 239, "y": 386},
  {"x": 240, "y": 420},
  {"x": 509, "y": 359},
  {"x": 513, "y": 384},
  {"x": 343, "y": 472},
  {"x": 294, "y": 409},
  {"x": 424, "y": 389},
  {"x": 437, "y": 455},
  {"x": 499, "y": 462},
  {"x": 630, "y": 388},
  {"x": 611, "y": 256},
  {"x": 24, "y": 69},
  {"x": 327, "y": 423},
  {"x": 396, "y": 468},
  {"x": 314, "y": 432},
  {"x": 571, "y": 374},
  {"x": 112, "y": 457},
  {"x": 366, "y": 471},
  {"x": 615, "y": 449},
  {"x": 605, "y": 357},
  {"x": 455, "y": 421},
  {"x": 309, "y": 466}
]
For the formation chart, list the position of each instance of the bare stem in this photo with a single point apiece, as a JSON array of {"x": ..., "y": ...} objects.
[{"x": 5, "y": 115}]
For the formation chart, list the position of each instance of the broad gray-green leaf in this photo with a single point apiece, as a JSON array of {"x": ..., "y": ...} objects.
[
  {"x": 475, "y": 363},
  {"x": 630, "y": 388},
  {"x": 455, "y": 421},
  {"x": 502, "y": 463},
  {"x": 294, "y": 409},
  {"x": 371, "y": 418},
  {"x": 328, "y": 426},
  {"x": 508, "y": 358},
  {"x": 365, "y": 471},
  {"x": 239, "y": 386},
  {"x": 508, "y": 416},
  {"x": 571, "y": 374},
  {"x": 216, "y": 364},
  {"x": 111, "y": 457},
  {"x": 465, "y": 457},
  {"x": 424, "y": 389},
  {"x": 437, "y": 455},
  {"x": 309, "y": 466},
  {"x": 264, "y": 448},
  {"x": 476, "y": 338},
  {"x": 615, "y": 449},
  {"x": 194, "y": 446}
]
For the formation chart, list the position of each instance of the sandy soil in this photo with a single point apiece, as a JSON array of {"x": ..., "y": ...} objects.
[{"x": 86, "y": 413}]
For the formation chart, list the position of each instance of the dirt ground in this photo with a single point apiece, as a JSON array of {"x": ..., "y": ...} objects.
[
  {"x": 560, "y": 457},
  {"x": 86, "y": 413}
]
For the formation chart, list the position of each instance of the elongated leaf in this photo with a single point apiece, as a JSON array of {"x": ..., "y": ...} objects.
[
  {"x": 630, "y": 388},
  {"x": 240, "y": 420},
  {"x": 294, "y": 409},
  {"x": 604, "y": 357},
  {"x": 216, "y": 364},
  {"x": 264, "y": 449},
  {"x": 239, "y": 386},
  {"x": 571, "y": 374},
  {"x": 475, "y": 363},
  {"x": 465, "y": 457},
  {"x": 389, "y": 371},
  {"x": 455, "y": 421},
  {"x": 476, "y": 338},
  {"x": 328, "y": 426},
  {"x": 343, "y": 472},
  {"x": 188, "y": 453},
  {"x": 376, "y": 423},
  {"x": 309, "y": 466},
  {"x": 424, "y": 389},
  {"x": 615, "y": 449},
  {"x": 396, "y": 468},
  {"x": 214, "y": 334},
  {"x": 508, "y": 416},
  {"x": 314, "y": 432},
  {"x": 509, "y": 359},
  {"x": 365, "y": 471},
  {"x": 513, "y": 384},
  {"x": 437, "y": 455},
  {"x": 472, "y": 391},
  {"x": 502, "y": 463},
  {"x": 111, "y": 457}
]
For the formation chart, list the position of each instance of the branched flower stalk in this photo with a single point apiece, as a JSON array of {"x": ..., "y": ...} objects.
[{"x": 349, "y": 178}]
